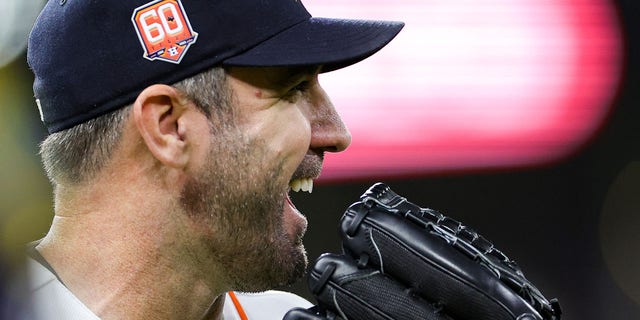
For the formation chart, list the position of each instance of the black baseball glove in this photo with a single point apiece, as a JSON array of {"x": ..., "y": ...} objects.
[{"x": 402, "y": 261}]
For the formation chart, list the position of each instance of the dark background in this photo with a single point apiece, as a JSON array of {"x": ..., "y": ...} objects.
[{"x": 573, "y": 226}]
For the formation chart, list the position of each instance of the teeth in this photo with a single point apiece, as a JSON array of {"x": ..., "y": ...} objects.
[{"x": 303, "y": 184}]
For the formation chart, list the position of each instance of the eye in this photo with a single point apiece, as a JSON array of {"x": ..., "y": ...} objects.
[
  {"x": 301, "y": 87},
  {"x": 297, "y": 91}
]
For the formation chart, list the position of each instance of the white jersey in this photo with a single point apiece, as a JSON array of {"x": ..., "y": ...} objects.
[{"x": 51, "y": 300}]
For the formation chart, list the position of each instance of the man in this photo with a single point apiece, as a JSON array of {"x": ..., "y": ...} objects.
[{"x": 177, "y": 130}]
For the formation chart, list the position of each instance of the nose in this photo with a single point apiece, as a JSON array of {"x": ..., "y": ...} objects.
[{"x": 328, "y": 131}]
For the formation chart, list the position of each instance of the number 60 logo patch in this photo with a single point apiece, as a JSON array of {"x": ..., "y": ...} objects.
[{"x": 164, "y": 30}]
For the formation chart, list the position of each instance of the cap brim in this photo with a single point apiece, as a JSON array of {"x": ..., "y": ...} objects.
[{"x": 332, "y": 43}]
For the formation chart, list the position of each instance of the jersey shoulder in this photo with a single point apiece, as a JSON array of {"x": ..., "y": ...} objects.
[{"x": 272, "y": 304}]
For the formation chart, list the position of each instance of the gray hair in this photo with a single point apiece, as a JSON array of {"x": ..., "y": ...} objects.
[{"x": 76, "y": 154}]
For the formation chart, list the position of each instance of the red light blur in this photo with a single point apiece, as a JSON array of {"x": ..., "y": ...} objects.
[{"x": 474, "y": 84}]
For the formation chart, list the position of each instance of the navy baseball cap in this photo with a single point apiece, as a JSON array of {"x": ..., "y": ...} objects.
[{"x": 90, "y": 57}]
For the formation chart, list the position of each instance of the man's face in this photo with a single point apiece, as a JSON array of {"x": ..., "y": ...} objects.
[{"x": 283, "y": 122}]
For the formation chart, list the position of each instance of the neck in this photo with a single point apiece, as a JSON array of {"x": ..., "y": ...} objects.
[{"x": 130, "y": 263}]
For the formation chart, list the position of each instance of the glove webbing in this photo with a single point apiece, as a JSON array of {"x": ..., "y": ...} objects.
[{"x": 464, "y": 239}]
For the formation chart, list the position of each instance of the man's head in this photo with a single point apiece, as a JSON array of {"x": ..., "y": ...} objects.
[{"x": 218, "y": 102}]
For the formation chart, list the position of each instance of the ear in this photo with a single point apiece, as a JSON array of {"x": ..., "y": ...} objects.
[{"x": 160, "y": 116}]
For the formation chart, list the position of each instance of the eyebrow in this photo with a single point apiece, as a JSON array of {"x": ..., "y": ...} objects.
[
  {"x": 303, "y": 70},
  {"x": 294, "y": 74}
]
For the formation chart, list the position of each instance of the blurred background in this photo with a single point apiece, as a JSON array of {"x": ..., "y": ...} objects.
[{"x": 517, "y": 117}]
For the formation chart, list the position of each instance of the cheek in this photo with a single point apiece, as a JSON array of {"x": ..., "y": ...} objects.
[
  {"x": 294, "y": 135},
  {"x": 286, "y": 132}
]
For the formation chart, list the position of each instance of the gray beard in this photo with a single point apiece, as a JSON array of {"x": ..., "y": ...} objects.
[{"x": 240, "y": 201}]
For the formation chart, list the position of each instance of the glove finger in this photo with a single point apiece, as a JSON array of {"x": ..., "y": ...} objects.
[
  {"x": 436, "y": 267},
  {"x": 365, "y": 294},
  {"x": 303, "y": 314}
]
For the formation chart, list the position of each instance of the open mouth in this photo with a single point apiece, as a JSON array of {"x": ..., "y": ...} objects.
[
  {"x": 308, "y": 170},
  {"x": 301, "y": 184},
  {"x": 297, "y": 219}
]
